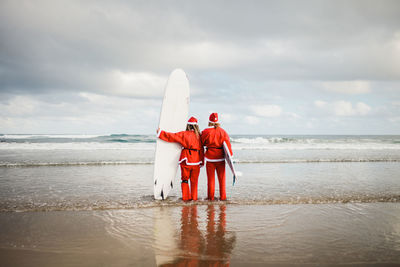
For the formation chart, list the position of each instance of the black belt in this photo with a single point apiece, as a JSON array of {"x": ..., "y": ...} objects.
[
  {"x": 191, "y": 149},
  {"x": 214, "y": 147}
]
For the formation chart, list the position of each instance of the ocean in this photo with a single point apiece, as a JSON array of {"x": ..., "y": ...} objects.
[{"x": 302, "y": 200}]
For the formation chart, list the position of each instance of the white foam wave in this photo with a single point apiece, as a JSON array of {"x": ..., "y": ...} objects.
[
  {"x": 65, "y": 164},
  {"x": 77, "y": 146},
  {"x": 283, "y": 143},
  {"x": 320, "y": 146},
  {"x": 319, "y": 160},
  {"x": 151, "y": 146},
  {"x": 148, "y": 162},
  {"x": 260, "y": 140},
  {"x": 34, "y": 136},
  {"x": 99, "y": 142}
]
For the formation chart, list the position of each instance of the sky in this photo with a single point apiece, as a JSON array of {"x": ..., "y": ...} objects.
[{"x": 267, "y": 67}]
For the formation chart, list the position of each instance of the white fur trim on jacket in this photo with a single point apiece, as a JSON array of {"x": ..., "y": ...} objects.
[
  {"x": 188, "y": 163},
  {"x": 213, "y": 160}
]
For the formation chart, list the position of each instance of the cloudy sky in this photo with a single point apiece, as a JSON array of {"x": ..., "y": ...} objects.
[{"x": 268, "y": 67}]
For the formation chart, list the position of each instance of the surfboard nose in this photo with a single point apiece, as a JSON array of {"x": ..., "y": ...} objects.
[{"x": 178, "y": 73}]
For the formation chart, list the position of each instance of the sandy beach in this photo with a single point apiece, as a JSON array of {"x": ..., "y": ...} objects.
[{"x": 206, "y": 234}]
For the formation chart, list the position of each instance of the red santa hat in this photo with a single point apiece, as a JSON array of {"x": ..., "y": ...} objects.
[
  {"x": 192, "y": 121},
  {"x": 213, "y": 117}
]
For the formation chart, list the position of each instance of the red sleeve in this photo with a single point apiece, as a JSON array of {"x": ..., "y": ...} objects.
[
  {"x": 202, "y": 137},
  {"x": 201, "y": 150},
  {"x": 172, "y": 137}
]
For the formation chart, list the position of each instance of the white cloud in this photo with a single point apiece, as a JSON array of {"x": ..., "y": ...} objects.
[
  {"x": 394, "y": 119},
  {"x": 267, "y": 110},
  {"x": 343, "y": 108},
  {"x": 292, "y": 115},
  {"x": 209, "y": 55},
  {"x": 320, "y": 103},
  {"x": 87, "y": 112},
  {"x": 20, "y": 105},
  {"x": 362, "y": 108},
  {"x": 347, "y": 87},
  {"x": 396, "y": 103},
  {"x": 310, "y": 125},
  {"x": 134, "y": 84},
  {"x": 226, "y": 117},
  {"x": 252, "y": 120}
]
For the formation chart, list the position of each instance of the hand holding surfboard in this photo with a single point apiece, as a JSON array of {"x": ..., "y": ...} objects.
[{"x": 229, "y": 160}]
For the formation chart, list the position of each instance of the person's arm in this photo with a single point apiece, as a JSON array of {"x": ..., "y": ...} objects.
[
  {"x": 201, "y": 153},
  {"x": 171, "y": 137},
  {"x": 202, "y": 138}
]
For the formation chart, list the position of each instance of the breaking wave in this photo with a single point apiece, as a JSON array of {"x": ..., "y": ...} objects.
[
  {"x": 146, "y": 142},
  {"x": 317, "y": 142},
  {"x": 66, "y": 164},
  {"x": 150, "y": 162}
]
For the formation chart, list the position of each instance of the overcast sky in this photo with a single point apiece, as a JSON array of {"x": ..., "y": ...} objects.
[{"x": 267, "y": 67}]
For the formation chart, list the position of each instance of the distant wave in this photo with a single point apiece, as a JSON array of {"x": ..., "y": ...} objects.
[
  {"x": 110, "y": 145},
  {"x": 149, "y": 162},
  {"x": 320, "y": 143},
  {"x": 121, "y": 144},
  {"x": 149, "y": 202},
  {"x": 126, "y": 141},
  {"x": 315, "y": 160},
  {"x": 60, "y": 138},
  {"x": 43, "y": 136},
  {"x": 331, "y": 139},
  {"x": 119, "y": 140},
  {"x": 318, "y": 147},
  {"x": 50, "y": 164},
  {"x": 263, "y": 140}
]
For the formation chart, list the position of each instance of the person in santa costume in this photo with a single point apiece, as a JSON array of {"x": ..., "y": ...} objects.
[
  {"x": 192, "y": 156},
  {"x": 213, "y": 138}
]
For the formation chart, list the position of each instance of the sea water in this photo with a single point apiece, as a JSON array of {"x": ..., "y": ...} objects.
[{"x": 301, "y": 200}]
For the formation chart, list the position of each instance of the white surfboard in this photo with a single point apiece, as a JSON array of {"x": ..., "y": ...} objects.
[
  {"x": 229, "y": 160},
  {"x": 173, "y": 118}
]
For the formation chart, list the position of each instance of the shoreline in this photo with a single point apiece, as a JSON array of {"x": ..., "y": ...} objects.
[{"x": 327, "y": 235}]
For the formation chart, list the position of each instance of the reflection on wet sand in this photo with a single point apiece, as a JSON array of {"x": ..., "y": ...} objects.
[
  {"x": 196, "y": 248},
  {"x": 219, "y": 243}
]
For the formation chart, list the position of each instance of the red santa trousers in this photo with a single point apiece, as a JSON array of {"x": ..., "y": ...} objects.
[
  {"x": 189, "y": 173},
  {"x": 220, "y": 168}
]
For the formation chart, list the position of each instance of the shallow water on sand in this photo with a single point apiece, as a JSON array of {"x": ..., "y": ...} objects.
[
  {"x": 130, "y": 186},
  {"x": 217, "y": 233}
]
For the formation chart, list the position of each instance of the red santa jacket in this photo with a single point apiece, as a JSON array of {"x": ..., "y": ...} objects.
[
  {"x": 192, "y": 149},
  {"x": 213, "y": 138}
]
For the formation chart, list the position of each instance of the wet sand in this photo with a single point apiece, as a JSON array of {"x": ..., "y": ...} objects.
[{"x": 219, "y": 234}]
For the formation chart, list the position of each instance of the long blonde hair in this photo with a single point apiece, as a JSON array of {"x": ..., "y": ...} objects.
[
  {"x": 215, "y": 124},
  {"x": 193, "y": 127}
]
